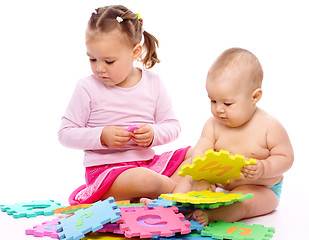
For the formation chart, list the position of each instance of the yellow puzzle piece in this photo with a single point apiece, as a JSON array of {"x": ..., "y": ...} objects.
[
  {"x": 216, "y": 167},
  {"x": 202, "y": 197}
]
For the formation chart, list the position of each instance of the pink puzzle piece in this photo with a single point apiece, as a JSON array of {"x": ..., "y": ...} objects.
[
  {"x": 112, "y": 228},
  {"x": 46, "y": 229},
  {"x": 157, "y": 221},
  {"x": 132, "y": 128}
]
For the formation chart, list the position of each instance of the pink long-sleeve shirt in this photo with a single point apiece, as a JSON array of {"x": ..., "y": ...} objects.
[{"x": 94, "y": 106}]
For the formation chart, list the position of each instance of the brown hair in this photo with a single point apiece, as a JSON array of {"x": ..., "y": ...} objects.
[
  {"x": 241, "y": 59},
  {"x": 105, "y": 20}
]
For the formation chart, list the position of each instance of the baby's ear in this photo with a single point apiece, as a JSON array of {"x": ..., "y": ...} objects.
[{"x": 256, "y": 95}]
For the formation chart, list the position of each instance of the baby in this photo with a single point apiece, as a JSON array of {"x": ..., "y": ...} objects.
[{"x": 234, "y": 88}]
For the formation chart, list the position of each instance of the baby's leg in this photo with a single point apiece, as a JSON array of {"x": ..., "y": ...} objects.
[
  {"x": 263, "y": 202},
  {"x": 139, "y": 182}
]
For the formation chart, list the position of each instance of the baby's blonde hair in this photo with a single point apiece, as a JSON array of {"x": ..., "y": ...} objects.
[
  {"x": 242, "y": 60},
  {"x": 105, "y": 20}
]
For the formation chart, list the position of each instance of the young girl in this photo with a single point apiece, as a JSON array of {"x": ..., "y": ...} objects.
[{"x": 119, "y": 162}]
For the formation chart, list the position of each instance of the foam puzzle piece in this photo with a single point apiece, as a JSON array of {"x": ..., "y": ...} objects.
[
  {"x": 70, "y": 209},
  {"x": 216, "y": 167},
  {"x": 196, "y": 226},
  {"x": 238, "y": 231},
  {"x": 205, "y": 196},
  {"x": 105, "y": 236},
  {"x": 191, "y": 236},
  {"x": 215, "y": 205},
  {"x": 153, "y": 222},
  {"x": 31, "y": 209},
  {"x": 131, "y": 205},
  {"x": 132, "y": 128},
  {"x": 47, "y": 228},
  {"x": 112, "y": 228},
  {"x": 123, "y": 202},
  {"x": 160, "y": 202},
  {"x": 90, "y": 219}
]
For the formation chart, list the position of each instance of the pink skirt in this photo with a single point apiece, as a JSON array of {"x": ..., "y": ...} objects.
[{"x": 100, "y": 178}]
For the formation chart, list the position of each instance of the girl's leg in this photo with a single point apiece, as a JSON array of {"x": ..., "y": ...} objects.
[
  {"x": 186, "y": 159},
  {"x": 263, "y": 202},
  {"x": 139, "y": 182}
]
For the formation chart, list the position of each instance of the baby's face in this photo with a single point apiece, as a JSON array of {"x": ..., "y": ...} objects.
[{"x": 231, "y": 99}]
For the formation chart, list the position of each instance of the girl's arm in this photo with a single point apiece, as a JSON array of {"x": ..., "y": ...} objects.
[
  {"x": 73, "y": 132},
  {"x": 167, "y": 127}
]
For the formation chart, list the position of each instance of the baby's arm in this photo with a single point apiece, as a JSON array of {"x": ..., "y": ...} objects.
[
  {"x": 206, "y": 141},
  {"x": 281, "y": 154}
]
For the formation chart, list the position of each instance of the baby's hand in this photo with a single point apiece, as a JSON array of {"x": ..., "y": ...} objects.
[
  {"x": 144, "y": 135},
  {"x": 113, "y": 136},
  {"x": 202, "y": 185},
  {"x": 253, "y": 171}
]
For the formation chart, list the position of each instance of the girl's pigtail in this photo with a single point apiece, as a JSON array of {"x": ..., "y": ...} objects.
[{"x": 150, "y": 45}]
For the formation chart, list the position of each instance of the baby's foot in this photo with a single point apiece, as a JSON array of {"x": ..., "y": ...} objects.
[
  {"x": 201, "y": 216},
  {"x": 145, "y": 200}
]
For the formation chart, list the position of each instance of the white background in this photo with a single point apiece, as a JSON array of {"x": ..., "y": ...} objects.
[{"x": 43, "y": 54}]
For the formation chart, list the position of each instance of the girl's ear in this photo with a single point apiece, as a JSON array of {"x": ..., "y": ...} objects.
[
  {"x": 256, "y": 95},
  {"x": 137, "y": 51}
]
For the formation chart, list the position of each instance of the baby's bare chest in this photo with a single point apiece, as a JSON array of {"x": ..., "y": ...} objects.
[{"x": 250, "y": 142}]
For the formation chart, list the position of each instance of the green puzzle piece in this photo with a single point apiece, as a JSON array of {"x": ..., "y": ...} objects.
[
  {"x": 238, "y": 231},
  {"x": 214, "y": 205}
]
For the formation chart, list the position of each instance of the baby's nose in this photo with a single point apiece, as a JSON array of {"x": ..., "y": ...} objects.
[{"x": 220, "y": 108}]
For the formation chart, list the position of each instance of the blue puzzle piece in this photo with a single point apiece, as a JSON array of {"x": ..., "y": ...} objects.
[
  {"x": 90, "y": 219},
  {"x": 166, "y": 203},
  {"x": 191, "y": 236},
  {"x": 196, "y": 226},
  {"x": 160, "y": 202},
  {"x": 31, "y": 209}
]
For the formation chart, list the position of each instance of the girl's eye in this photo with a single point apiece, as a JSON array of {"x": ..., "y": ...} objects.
[{"x": 109, "y": 62}]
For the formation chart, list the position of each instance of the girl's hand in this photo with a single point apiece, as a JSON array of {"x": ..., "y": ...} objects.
[
  {"x": 113, "y": 136},
  {"x": 144, "y": 135},
  {"x": 253, "y": 171}
]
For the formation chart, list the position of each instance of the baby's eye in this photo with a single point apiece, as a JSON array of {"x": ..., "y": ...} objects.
[
  {"x": 92, "y": 59},
  {"x": 228, "y": 104},
  {"x": 109, "y": 62},
  {"x": 212, "y": 101}
]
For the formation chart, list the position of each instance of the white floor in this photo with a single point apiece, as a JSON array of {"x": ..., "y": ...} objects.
[{"x": 290, "y": 220}]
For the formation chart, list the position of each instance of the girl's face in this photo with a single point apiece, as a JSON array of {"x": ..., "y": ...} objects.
[
  {"x": 111, "y": 57},
  {"x": 231, "y": 100}
]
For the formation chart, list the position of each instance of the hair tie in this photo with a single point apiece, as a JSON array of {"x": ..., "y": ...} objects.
[
  {"x": 139, "y": 18},
  {"x": 119, "y": 19}
]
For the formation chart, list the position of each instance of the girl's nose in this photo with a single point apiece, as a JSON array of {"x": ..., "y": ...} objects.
[{"x": 101, "y": 68}]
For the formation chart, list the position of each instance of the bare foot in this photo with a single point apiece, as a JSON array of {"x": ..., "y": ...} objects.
[
  {"x": 201, "y": 217},
  {"x": 203, "y": 185},
  {"x": 145, "y": 200}
]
